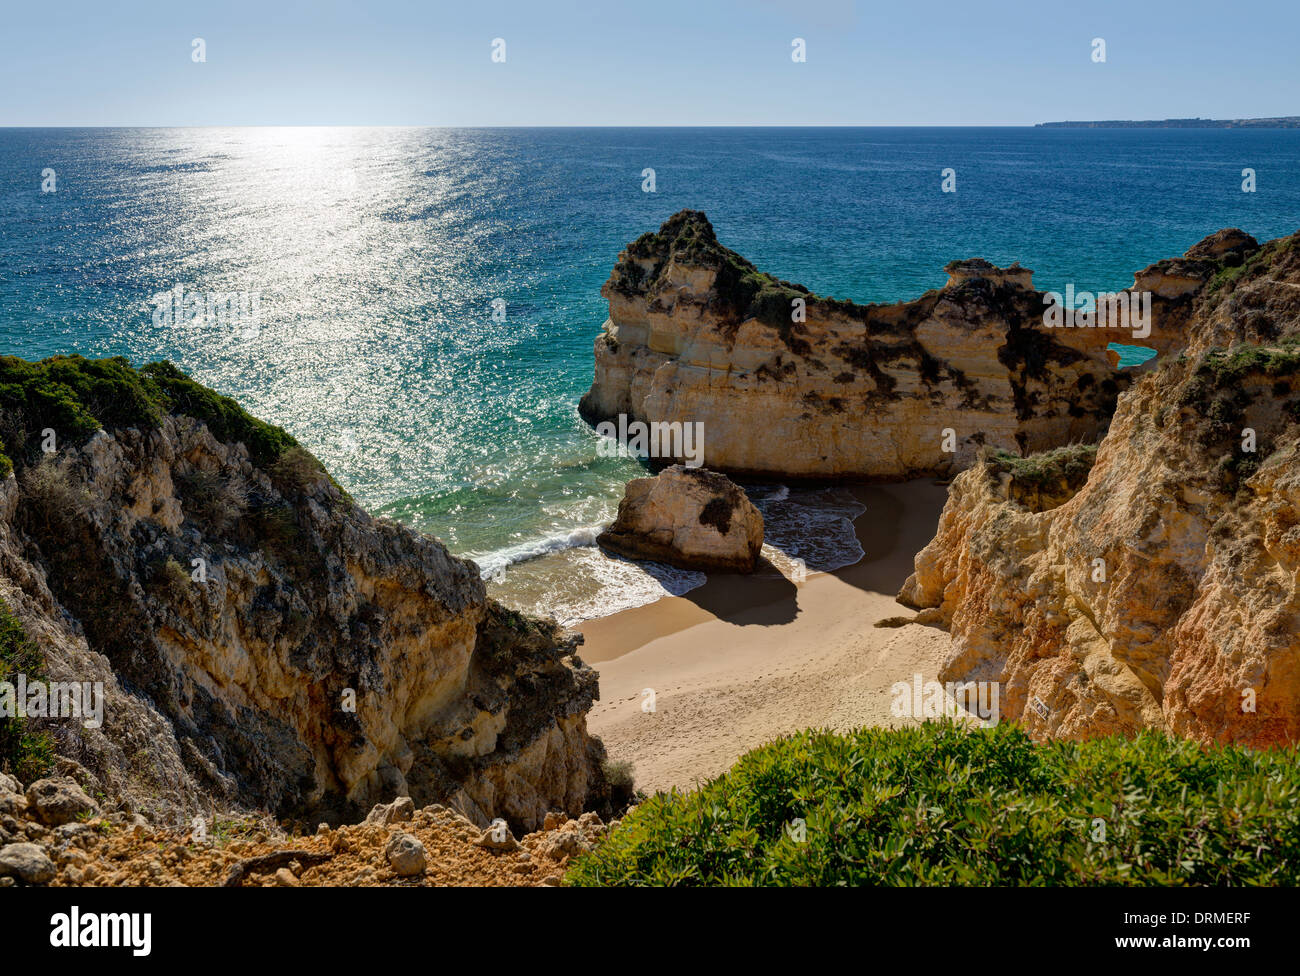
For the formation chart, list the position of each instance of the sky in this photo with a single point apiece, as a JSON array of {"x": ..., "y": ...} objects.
[{"x": 659, "y": 62}]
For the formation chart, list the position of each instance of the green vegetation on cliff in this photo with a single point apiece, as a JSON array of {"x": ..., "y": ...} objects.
[
  {"x": 1047, "y": 479},
  {"x": 942, "y": 805},
  {"x": 74, "y": 397},
  {"x": 25, "y": 752},
  {"x": 1223, "y": 390}
]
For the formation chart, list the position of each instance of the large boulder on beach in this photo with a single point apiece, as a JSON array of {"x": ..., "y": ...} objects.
[{"x": 687, "y": 517}]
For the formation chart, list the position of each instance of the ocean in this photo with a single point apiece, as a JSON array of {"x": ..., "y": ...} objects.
[{"x": 428, "y": 298}]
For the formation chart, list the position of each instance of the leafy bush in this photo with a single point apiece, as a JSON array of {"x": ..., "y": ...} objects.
[
  {"x": 1220, "y": 390},
  {"x": 170, "y": 578},
  {"x": 227, "y": 420},
  {"x": 75, "y": 396},
  {"x": 941, "y": 805},
  {"x": 25, "y": 752}
]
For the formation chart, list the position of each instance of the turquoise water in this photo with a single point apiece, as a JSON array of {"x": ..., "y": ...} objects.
[
  {"x": 1131, "y": 355},
  {"x": 378, "y": 254}
]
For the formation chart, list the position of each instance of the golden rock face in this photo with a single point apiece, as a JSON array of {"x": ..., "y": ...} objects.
[
  {"x": 1162, "y": 593},
  {"x": 266, "y": 644},
  {"x": 787, "y": 384}
]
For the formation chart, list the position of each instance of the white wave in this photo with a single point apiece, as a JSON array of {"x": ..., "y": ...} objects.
[
  {"x": 569, "y": 577},
  {"x": 620, "y": 585},
  {"x": 494, "y": 564}
]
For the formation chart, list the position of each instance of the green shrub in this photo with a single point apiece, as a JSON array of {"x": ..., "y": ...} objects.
[
  {"x": 25, "y": 752},
  {"x": 941, "y": 805},
  {"x": 1047, "y": 479},
  {"x": 297, "y": 471},
  {"x": 53, "y": 503},
  {"x": 1220, "y": 390},
  {"x": 75, "y": 396},
  {"x": 226, "y": 419},
  {"x": 170, "y": 579}
]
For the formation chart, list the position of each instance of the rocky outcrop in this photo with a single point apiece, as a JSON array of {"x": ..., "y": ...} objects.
[
  {"x": 1157, "y": 587},
  {"x": 787, "y": 384},
  {"x": 687, "y": 517},
  {"x": 263, "y": 643},
  {"x": 397, "y": 845}
]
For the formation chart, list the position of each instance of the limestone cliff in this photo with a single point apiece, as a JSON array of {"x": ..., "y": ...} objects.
[
  {"x": 264, "y": 642},
  {"x": 787, "y": 384},
  {"x": 1158, "y": 586}
]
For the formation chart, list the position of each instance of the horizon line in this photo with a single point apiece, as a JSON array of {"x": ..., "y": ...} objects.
[{"x": 565, "y": 125}]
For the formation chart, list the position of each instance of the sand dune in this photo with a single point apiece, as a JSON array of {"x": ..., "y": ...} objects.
[{"x": 741, "y": 660}]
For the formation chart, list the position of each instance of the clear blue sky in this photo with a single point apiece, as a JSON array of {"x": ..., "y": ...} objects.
[{"x": 659, "y": 62}]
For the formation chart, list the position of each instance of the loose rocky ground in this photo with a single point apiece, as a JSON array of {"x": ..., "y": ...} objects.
[{"x": 53, "y": 834}]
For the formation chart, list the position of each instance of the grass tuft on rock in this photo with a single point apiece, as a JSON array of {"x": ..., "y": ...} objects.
[
  {"x": 1045, "y": 480},
  {"x": 940, "y": 804}
]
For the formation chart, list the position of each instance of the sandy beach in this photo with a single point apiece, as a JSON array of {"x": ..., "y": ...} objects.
[{"x": 740, "y": 660}]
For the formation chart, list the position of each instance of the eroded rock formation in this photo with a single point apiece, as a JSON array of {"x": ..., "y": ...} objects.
[
  {"x": 1158, "y": 586},
  {"x": 265, "y": 643},
  {"x": 788, "y": 384},
  {"x": 687, "y": 517}
]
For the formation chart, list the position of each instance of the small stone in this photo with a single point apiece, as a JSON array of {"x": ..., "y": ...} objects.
[
  {"x": 563, "y": 844},
  {"x": 399, "y": 811},
  {"x": 498, "y": 838},
  {"x": 553, "y": 820},
  {"x": 552, "y": 880},
  {"x": 73, "y": 831},
  {"x": 26, "y": 861},
  {"x": 285, "y": 879},
  {"x": 9, "y": 784},
  {"x": 322, "y": 829},
  {"x": 59, "y": 800},
  {"x": 406, "y": 855}
]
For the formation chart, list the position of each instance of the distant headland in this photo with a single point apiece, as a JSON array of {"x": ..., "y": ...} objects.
[{"x": 1283, "y": 122}]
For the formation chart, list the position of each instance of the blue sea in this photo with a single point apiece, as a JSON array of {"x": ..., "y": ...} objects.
[{"x": 380, "y": 256}]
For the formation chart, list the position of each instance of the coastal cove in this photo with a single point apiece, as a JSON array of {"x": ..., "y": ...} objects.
[
  {"x": 780, "y": 656},
  {"x": 378, "y": 255}
]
